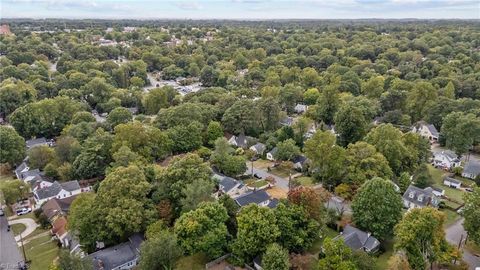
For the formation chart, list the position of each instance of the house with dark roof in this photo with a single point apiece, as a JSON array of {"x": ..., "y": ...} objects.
[
  {"x": 122, "y": 256},
  {"x": 59, "y": 230},
  {"x": 471, "y": 169},
  {"x": 23, "y": 167},
  {"x": 446, "y": 160},
  {"x": 426, "y": 130},
  {"x": 57, "y": 207},
  {"x": 436, "y": 191},
  {"x": 357, "y": 239},
  {"x": 300, "y": 162},
  {"x": 258, "y": 148},
  {"x": 241, "y": 141},
  {"x": 36, "y": 142},
  {"x": 231, "y": 187},
  {"x": 415, "y": 197},
  {"x": 259, "y": 197},
  {"x": 59, "y": 191},
  {"x": 271, "y": 155}
]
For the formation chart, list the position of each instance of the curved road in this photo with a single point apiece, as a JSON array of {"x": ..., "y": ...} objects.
[
  {"x": 30, "y": 226},
  {"x": 453, "y": 234}
]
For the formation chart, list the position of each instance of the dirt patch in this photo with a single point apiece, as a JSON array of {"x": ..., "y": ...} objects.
[{"x": 277, "y": 192}]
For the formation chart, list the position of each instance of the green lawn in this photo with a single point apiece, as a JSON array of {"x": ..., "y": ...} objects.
[
  {"x": 41, "y": 252},
  {"x": 257, "y": 184},
  {"x": 193, "y": 262},
  {"x": 437, "y": 176},
  {"x": 450, "y": 216},
  {"x": 285, "y": 173},
  {"x": 18, "y": 228},
  {"x": 262, "y": 164},
  {"x": 382, "y": 260},
  {"x": 304, "y": 181},
  {"x": 317, "y": 245}
]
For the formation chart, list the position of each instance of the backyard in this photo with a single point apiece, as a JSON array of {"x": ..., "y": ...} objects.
[{"x": 41, "y": 251}]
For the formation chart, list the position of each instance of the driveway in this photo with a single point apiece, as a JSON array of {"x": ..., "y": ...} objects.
[
  {"x": 29, "y": 223},
  {"x": 453, "y": 234},
  {"x": 280, "y": 181},
  {"x": 9, "y": 253}
]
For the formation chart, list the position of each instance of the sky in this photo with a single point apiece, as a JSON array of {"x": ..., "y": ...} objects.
[{"x": 241, "y": 9}]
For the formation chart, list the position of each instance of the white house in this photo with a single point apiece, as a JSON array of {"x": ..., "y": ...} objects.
[
  {"x": 272, "y": 153},
  {"x": 446, "y": 160},
  {"x": 426, "y": 130},
  {"x": 300, "y": 108},
  {"x": 415, "y": 197},
  {"x": 471, "y": 169},
  {"x": 258, "y": 148},
  {"x": 451, "y": 182},
  {"x": 239, "y": 141},
  {"x": 259, "y": 197},
  {"x": 59, "y": 191}
]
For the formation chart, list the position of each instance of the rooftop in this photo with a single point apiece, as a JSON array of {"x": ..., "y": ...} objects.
[
  {"x": 358, "y": 239},
  {"x": 258, "y": 196},
  {"x": 113, "y": 257}
]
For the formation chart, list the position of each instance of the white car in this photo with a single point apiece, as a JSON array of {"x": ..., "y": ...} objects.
[{"x": 23, "y": 211}]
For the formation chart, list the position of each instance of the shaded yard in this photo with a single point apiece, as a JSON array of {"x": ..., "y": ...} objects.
[
  {"x": 382, "y": 260},
  {"x": 193, "y": 262},
  {"x": 42, "y": 252},
  {"x": 317, "y": 245}
]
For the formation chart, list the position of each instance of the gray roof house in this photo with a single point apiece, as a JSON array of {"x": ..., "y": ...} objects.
[
  {"x": 287, "y": 121},
  {"x": 258, "y": 148},
  {"x": 426, "y": 130},
  {"x": 58, "y": 190},
  {"x": 272, "y": 153},
  {"x": 36, "y": 142},
  {"x": 471, "y": 169},
  {"x": 299, "y": 162},
  {"x": 415, "y": 197},
  {"x": 239, "y": 141},
  {"x": 23, "y": 167},
  {"x": 446, "y": 159},
  {"x": 357, "y": 239},
  {"x": 231, "y": 187},
  {"x": 121, "y": 256},
  {"x": 452, "y": 182},
  {"x": 259, "y": 197}
]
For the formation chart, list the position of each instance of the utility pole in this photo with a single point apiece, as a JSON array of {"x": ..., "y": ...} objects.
[{"x": 23, "y": 249}]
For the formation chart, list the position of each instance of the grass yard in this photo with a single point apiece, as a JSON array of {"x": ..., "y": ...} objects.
[
  {"x": 305, "y": 181},
  {"x": 317, "y": 245},
  {"x": 437, "y": 176},
  {"x": 450, "y": 217},
  {"x": 17, "y": 228},
  {"x": 278, "y": 193},
  {"x": 41, "y": 252},
  {"x": 262, "y": 164},
  {"x": 285, "y": 173},
  {"x": 258, "y": 184},
  {"x": 193, "y": 262},
  {"x": 382, "y": 260}
]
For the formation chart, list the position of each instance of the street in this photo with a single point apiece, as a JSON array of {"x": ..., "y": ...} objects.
[
  {"x": 280, "y": 181},
  {"x": 9, "y": 253},
  {"x": 453, "y": 234}
]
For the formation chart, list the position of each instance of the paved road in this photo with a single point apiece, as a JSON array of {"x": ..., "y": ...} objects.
[
  {"x": 30, "y": 226},
  {"x": 453, "y": 234},
  {"x": 9, "y": 252},
  {"x": 280, "y": 181}
]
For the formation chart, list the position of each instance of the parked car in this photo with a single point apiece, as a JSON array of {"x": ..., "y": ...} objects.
[
  {"x": 1, "y": 213},
  {"x": 23, "y": 211},
  {"x": 257, "y": 176}
]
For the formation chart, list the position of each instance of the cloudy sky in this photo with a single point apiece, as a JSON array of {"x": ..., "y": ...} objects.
[{"x": 240, "y": 9}]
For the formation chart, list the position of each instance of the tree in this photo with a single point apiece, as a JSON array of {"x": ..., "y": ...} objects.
[
  {"x": 95, "y": 155},
  {"x": 67, "y": 148},
  {"x": 208, "y": 76},
  {"x": 461, "y": 131},
  {"x": 79, "y": 117},
  {"x": 241, "y": 117},
  {"x": 39, "y": 156},
  {"x": 327, "y": 104},
  {"x": 388, "y": 140},
  {"x": 297, "y": 229},
  {"x": 363, "y": 162},
  {"x": 256, "y": 229},
  {"x": 232, "y": 210},
  {"x": 118, "y": 116},
  {"x": 15, "y": 94},
  {"x": 83, "y": 220},
  {"x": 269, "y": 109},
  {"x": 68, "y": 261},
  {"x": 337, "y": 256},
  {"x": 308, "y": 199},
  {"x": 203, "y": 230},
  {"x": 186, "y": 138},
  {"x": 421, "y": 236},
  {"x": 471, "y": 212},
  {"x": 310, "y": 96},
  {"x": 420, "y": 99},
  {"x": 12, "y": 146},
  {"x": 14, "y": 190},
  {"x": 422, "y": 177},
  {"x": 125, "y": 156},
  {"x": 403, "y": 181},
  {"x": 275, "y": 258},
  {"x": 214, "y": 131},
  {"x": 122, "y": 204},
  {"x": 327, "y": 158},
  {"x": 196, "y": 193},
  {"x": 160, "y": 252},
  {"x": 449, "y": 90},
  {"x": 287, "y": 150},
  {"x": 224, "y": 160},
  {"x": 377, "y": 207},
  {"x": 373, "y": 88},
  {"x": 157, "y": 99},
  {"x": 350, "y": 124},
  {"x": 398, "y": 262}
]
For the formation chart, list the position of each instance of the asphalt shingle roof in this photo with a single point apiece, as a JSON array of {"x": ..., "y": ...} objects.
[
  {"x": 227, "y": 184},
  {"x": 34, "y": 142},
  {"x": 357, "y": 239},
  {"x": 112, "y": 257},
  {"x": 256, "y": 197}
]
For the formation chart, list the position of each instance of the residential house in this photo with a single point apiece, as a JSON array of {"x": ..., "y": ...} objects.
[
  {"x": 436, "y": 191},
  {"x": 258, "y": 148},
  {"x": 55, "y": 208},
  {"x": 272, "y": 153},
  {"x": 415, "y": 197},
  {"x": 300, "y": 162},
  {"x": 300, "y": 108},
  {"x": 59, "y": 230},
  {"x": 239, "y": 141},
  {"x": 451, "y": 182},
  {"x": 37, "y": 142},
  {"x": 231, "y": 187},
  {"x": 59, "y": 191},
  {"x": 23, "y": 167},
  {"x": 122, "y": 256},
  {"x": 446, "y": 159},
  {"x": 471, "y": 169},
  {"x": 357, "y": 239},
  {"x": 259, "y": 197},
  {"x": 426, "y": 130},
  {"x": 287, "y": 121},
  {"x": 74, "y": 245}
]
